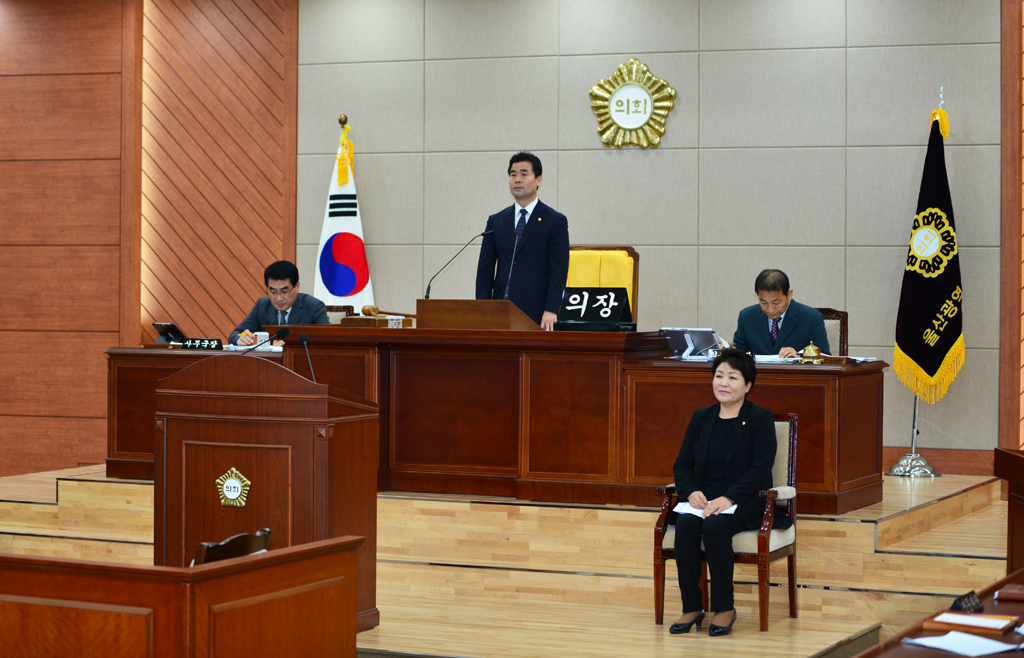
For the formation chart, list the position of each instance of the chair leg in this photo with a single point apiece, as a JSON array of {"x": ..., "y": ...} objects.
[
  {"x": 659, "y": 590},
  {"x": 704, "y": 585},
  {"x": 763, "y": 580},
  {"x": 792, "y": 585}
]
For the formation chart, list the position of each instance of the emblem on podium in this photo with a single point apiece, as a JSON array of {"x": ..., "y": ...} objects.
[{"x": 233, "y": 488}]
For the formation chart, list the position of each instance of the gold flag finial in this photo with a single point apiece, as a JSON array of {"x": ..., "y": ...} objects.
[{"x": 342, "y": 120}]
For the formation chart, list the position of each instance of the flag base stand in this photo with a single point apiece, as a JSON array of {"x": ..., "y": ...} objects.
[{"x": 913, "y": 465}]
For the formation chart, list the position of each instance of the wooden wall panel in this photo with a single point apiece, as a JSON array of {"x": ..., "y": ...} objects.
[
  {"x": 1011, "y": 325},
  {"x": 70, "y": 145},
  {"x": 59, "y": 36},
  {"x": 80, "y": 206},
  {"x": 71, "y": 288},
  {"x": 219, "y": 134},
  {"x": 43, "y": 443},
  {"x": 57, "y": 374},
  {"x": 63, "y": 117}
]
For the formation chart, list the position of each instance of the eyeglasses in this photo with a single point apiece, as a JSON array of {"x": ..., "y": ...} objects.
[{"x": 284, "y": 292}]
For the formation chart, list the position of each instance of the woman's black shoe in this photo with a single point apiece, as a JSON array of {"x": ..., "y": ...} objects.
[
  {"x": 676, "y": 629},
  {"x": 722, "y": 630}
]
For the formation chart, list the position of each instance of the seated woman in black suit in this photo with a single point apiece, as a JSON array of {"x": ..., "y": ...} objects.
[{"x": 725, "y": 460}]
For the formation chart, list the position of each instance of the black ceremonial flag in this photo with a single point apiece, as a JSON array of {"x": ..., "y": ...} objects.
[{"x": 929, "y": 326}]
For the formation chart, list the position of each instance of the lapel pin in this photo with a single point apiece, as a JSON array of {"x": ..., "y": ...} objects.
[{"x": 743, "y": 423}]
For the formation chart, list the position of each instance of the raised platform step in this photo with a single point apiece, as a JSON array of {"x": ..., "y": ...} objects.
[{"x": 893, "y": 563}]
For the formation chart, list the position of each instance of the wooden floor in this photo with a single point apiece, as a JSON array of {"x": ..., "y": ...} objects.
[{"x": 475, "y": 577}]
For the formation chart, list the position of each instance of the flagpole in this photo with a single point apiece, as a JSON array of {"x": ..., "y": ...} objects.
[{"x": 913, "y": 465}]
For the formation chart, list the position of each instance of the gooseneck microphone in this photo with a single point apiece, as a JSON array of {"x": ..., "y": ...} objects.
[
  {"x": 304, "y": 339},
  {"x": 508, "y": 282},
  {"x": 426, "y": 295},
  {"x": 281, "y": 333}
]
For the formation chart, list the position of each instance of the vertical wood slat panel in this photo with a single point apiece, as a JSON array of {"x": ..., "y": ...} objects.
[{"x": 219, "y": 141}]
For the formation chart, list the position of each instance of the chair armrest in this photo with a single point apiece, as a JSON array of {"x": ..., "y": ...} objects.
[
  {"x": 785, "y": 493},
  {"x": 668, "y": 494}
]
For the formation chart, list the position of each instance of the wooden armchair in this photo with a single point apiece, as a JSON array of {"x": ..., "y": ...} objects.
[
  {"x": 237, "y": 546},
  {"x": 838, "y": 332},
  {"x": 761, "y": 547}
]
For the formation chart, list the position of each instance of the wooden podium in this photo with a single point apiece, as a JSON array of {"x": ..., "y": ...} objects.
[
  {"x": 472, "y": 314},
  {"x": 1009, "y": 465},
  {"x": 304, "y": 454}
]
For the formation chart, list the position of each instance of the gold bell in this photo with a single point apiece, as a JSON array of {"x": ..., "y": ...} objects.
[{"x": 812, "y": 354}]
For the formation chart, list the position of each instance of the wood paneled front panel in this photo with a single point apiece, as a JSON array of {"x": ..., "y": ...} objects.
[
  {"x": 570, "y": 423},
  {"x": 72, "y": 628},
  {"x": 352, "y": 369},
  {"x": 219, "y": 135},
  {"x": 454, "y": 411},
  {"x": 660, "y": 409},
  {"x": 860, "y": 455},
  {"x": 268, "y": 504}
]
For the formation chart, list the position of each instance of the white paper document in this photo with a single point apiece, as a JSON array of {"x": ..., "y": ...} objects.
[
  {"x": 964, "y": 644},
  {"x": 685, "y": 507},
  {"x": 970, "y": 620}
]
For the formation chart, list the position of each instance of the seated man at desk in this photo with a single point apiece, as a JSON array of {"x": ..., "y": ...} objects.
[
  {"x": 777, "y": 324},
  {"x": 284, "y": 304}
]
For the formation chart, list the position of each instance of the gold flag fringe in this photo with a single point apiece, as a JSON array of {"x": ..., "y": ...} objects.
[{"x": 930, "y": 389}]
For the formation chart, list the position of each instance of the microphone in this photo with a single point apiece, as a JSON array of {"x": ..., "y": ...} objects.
[
  {"x": 508, "y": 282},
  {"x": 281, "y": 333},
  {"x": 426, "y": 295},
  {"x": 304, "y": 339}
]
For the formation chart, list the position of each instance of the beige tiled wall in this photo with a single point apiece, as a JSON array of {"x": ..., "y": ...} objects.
[{"x": 797, "y": 141}]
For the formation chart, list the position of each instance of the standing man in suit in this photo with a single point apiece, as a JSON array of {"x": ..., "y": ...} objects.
[
  {"x": 530, "y": 244},
  {"x": 284, "y": 304},
  {"x": 777, "y": 324}
]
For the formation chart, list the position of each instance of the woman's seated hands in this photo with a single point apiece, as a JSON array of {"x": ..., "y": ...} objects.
[{"x": 716, "y": 506}]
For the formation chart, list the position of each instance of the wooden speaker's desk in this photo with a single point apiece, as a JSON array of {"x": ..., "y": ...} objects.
[
  {"x": 298, "y": 601},
  {"x": 576, "y": 417}
]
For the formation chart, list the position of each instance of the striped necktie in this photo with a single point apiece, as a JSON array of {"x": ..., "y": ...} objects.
[{"x": 521, "y": 225}]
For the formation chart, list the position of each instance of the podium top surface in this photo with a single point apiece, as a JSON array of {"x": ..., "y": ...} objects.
[{"x": 226, "y": 382}]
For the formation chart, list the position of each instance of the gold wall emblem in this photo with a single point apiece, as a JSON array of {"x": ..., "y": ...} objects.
[
  {"x": 631, "y": 106},
  {"x": 233, "y": 488},
  {"x": 932, "y": 243}
]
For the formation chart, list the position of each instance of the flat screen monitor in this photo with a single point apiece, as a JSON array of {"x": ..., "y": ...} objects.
[{"x": 686, "y": 343}]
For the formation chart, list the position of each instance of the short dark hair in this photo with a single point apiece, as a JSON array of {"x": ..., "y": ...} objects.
[
  {"x": 738, "y": 359},
  {"x": 523, "y": 156},
  {"x": 281, "y": 270},
  {"x": 771, "y": 281}
]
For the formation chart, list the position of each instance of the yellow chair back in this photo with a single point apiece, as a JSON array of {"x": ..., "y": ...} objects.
[{"x": 598, "y": 268}]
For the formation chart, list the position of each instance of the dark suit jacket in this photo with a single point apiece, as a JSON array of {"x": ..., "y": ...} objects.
[
  {"x": 748, "y": 469},
  {"x": 307, "y": 309},
  {"x": 541, "y": 264},
  {"x": 801, "y": 325}
]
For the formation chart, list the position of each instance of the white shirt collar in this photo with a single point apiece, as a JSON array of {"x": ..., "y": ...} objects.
[{"x": 529, "y": 210}]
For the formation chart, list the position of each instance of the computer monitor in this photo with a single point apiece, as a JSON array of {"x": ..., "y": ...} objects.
[{"x": 686, "y": 343}]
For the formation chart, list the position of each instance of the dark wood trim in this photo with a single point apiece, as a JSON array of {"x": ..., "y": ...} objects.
[
  {"x": 1010, "y": 236},
  {"x": 947, "y": 462},
  {"x": 290, "y": 149},
  {"x": 130, "y": 322}
]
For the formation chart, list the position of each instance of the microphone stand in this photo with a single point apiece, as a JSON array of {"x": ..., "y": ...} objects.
[
  {"x": 508, "y": 282},
  {"x": 426, "y": 295}
]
